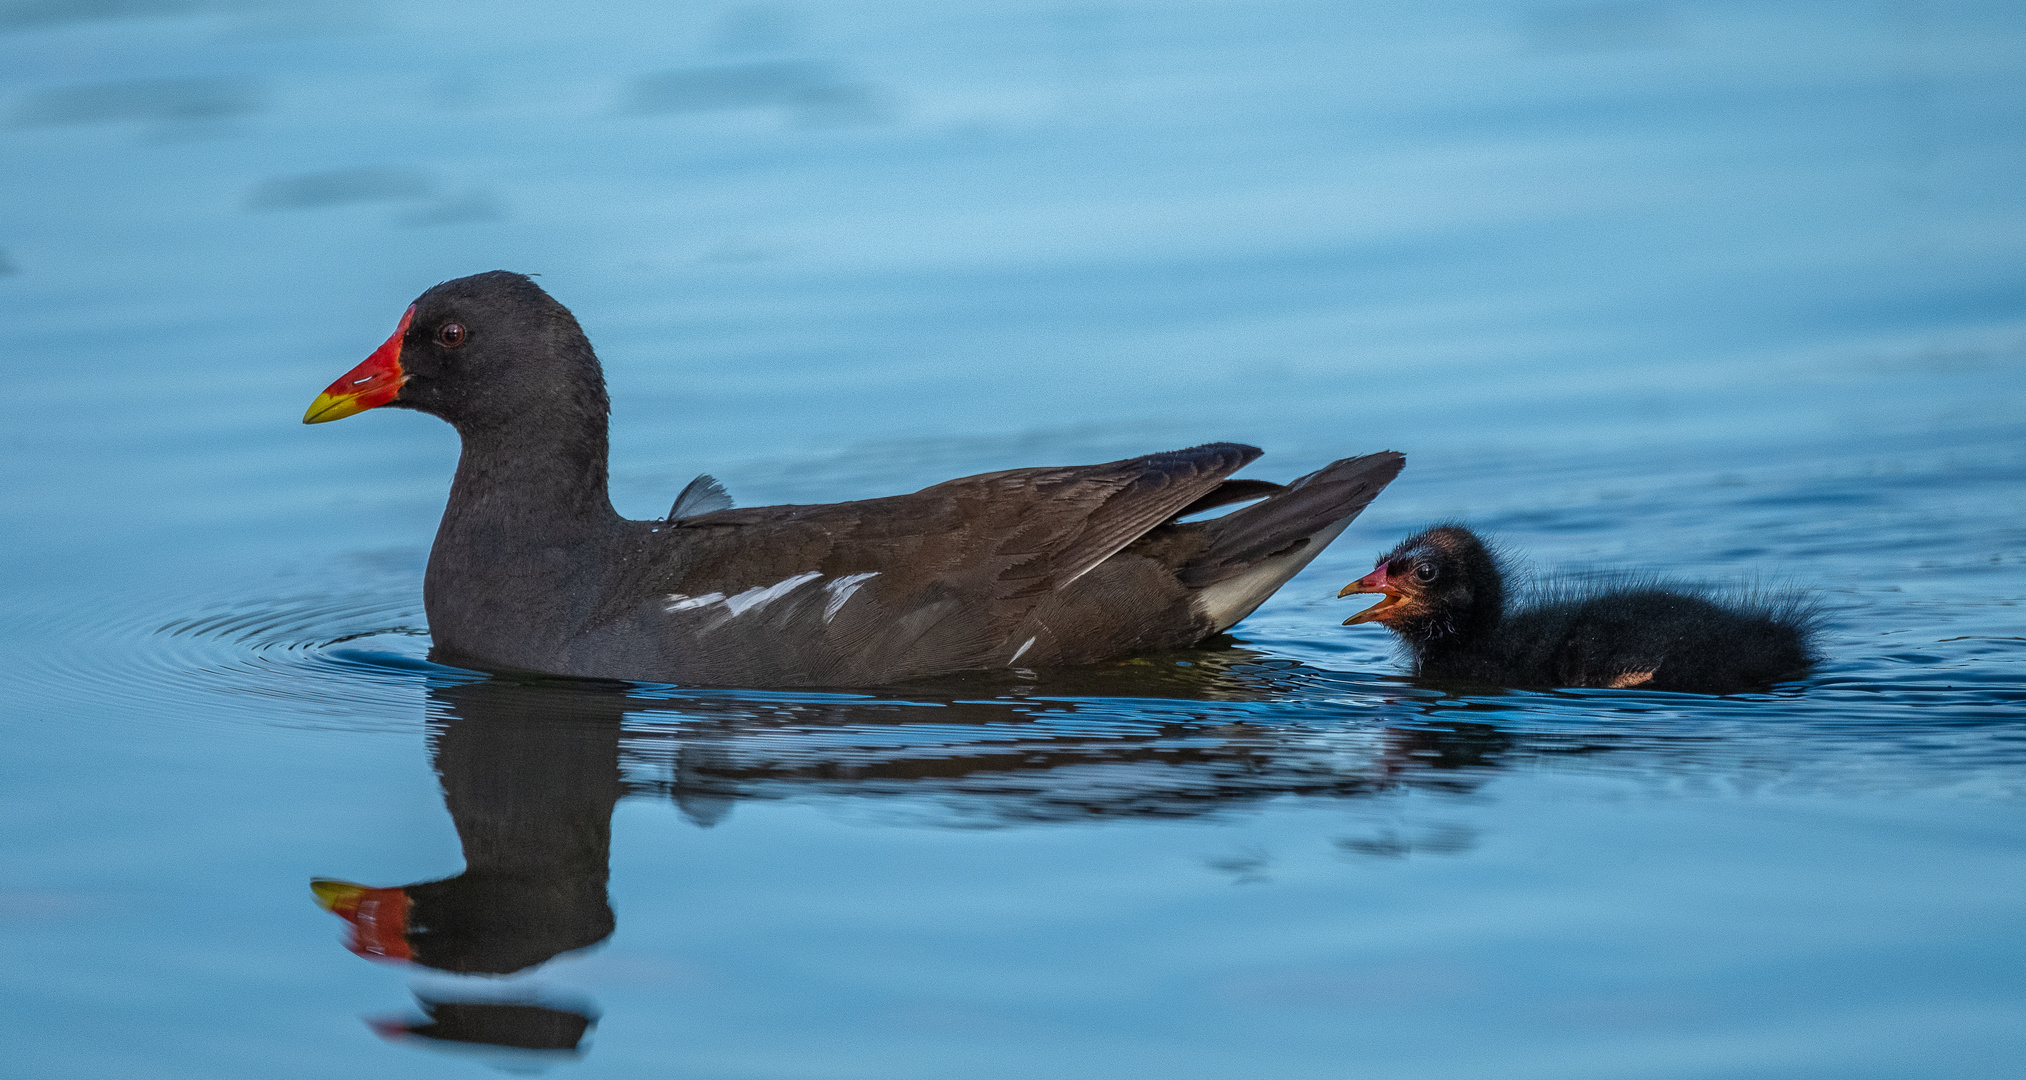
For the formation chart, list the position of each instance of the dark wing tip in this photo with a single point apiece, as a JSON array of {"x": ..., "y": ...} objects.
[
  {"x": 1391, "y": 461},
  {"x": 1380, "y": 468},
  {"x": 1240, "y": 452}
]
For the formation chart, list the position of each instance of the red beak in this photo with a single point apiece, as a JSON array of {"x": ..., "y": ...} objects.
[
  {"x": 1374, "y": 582},
  {"x": 373, "y": 383},
  {"x": 389, "y": 1027},
  {"x": 379, "y": 917}
]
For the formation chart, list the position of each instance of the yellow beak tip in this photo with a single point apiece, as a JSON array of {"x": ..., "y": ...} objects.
[
  {"x": 331, "y": 892},
  {"x": 328, "y": 407}
]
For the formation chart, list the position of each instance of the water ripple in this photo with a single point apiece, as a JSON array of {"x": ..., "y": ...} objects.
[
  {"x": 1153, "y": 735},
  {"x": 353, "y": 661}
]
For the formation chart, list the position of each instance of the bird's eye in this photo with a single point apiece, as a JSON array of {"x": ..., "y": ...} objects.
[
  {"x": 1424, "y": 572},
  {"x": 451, "y": 335}
]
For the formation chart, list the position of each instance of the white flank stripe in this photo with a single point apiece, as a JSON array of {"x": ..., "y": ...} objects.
[
  {"x": 679, "y": 602},
  {"x": 1021, "y": 651},
  {"x": 841, "y": 590},
  {"x": 760, "y": 596}
]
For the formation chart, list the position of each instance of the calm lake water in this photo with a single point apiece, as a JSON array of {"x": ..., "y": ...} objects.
[{"x": 1728, "y": 291}]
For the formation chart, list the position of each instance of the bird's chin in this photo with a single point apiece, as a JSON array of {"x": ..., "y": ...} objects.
[{"x": 1379, "y": 612}]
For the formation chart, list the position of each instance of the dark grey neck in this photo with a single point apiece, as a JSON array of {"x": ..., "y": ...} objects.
[
  {"x": 534, "y": 480},
  {"x": 517, "y": 568}
]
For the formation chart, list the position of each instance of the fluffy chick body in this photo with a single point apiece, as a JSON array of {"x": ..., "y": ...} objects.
[{"x": 1446, "y": 600}]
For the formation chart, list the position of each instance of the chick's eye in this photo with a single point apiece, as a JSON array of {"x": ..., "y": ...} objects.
[
  {"x": 1424, "y": 572},
  {"x": 451, "y": 335}
]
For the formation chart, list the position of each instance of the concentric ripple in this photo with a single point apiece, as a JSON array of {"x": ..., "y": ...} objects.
[{"x": 349, "y": 660}]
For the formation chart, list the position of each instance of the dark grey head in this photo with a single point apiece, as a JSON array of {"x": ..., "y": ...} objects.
[
  {"x": 486, "y": 352},
  {"x": 1440, "y": 584},
  {"x": 490, "y": 349}
]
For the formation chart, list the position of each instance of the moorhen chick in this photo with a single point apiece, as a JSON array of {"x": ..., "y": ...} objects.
[
  {"x": 1445, "y": 598},
  {"x": 533, "y": 570}
]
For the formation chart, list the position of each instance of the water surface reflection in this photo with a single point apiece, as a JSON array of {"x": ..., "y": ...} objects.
[{"x": 531, "y": 771}]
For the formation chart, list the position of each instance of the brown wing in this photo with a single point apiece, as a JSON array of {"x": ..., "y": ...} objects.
[
  {"x": 1044, "y": 528},
  {"x": 937, "y": 579}
]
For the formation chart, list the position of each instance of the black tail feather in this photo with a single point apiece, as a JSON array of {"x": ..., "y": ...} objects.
[
  {"x": 1232, "y": 491},
  {"x": 1287, "y": 521}
]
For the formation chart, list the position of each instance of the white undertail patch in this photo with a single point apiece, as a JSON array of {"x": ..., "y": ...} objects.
[
  {"x": 1226, "y": 602},
  {"x": 840, "y": 591}
]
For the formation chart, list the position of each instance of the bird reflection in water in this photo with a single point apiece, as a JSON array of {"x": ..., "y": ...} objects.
[
  {"x": 525, "y": 1034},
  {"x": 530, "y": 776},
  {"x": 532, "y": 768}
]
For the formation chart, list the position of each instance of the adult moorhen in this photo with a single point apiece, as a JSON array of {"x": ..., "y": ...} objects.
[
  {"x": 532, "y": 569},
  {"x": 1445, "y": 598}
]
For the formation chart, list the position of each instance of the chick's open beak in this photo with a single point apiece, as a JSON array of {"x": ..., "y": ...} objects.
[{"x": 1374, "y": 582}]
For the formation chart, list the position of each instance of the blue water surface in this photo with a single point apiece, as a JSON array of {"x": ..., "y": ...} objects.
[{"x": 1730, "y": 292}]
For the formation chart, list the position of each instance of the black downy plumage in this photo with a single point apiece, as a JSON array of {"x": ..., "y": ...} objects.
[
  {"x": 532, "y": 569},
  {"x": 1446, "y": 598}
]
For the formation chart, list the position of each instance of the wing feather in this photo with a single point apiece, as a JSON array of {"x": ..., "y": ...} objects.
[{"x": 700, "y": 496}]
